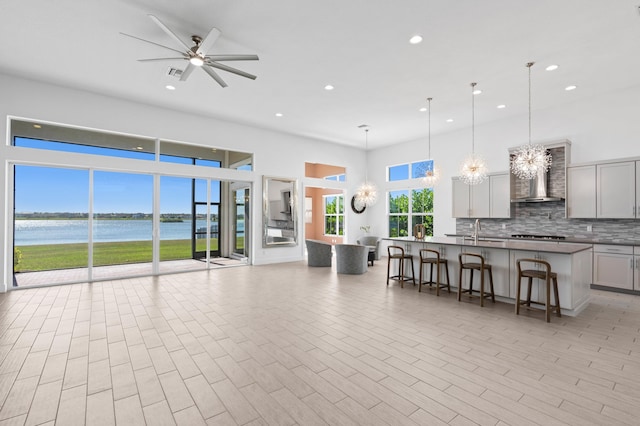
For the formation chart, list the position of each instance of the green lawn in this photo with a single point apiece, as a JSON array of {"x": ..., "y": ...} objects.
[{"x": 65, "y": 256}]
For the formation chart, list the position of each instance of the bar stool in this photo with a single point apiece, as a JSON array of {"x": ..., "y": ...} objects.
[
  {"x": 543, "y": 274},
  {"x": 397, "y": 252},
  {"x": 432, "y": 257},
  {"x": 481, "y": 266}
]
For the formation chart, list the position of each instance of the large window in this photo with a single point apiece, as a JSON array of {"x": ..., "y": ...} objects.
[
  {"x": 333, "y": 215},
  {"x": 408, "y": 208}
]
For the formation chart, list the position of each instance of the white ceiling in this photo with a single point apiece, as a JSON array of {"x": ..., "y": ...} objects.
[{"x": 359, "y": 46}]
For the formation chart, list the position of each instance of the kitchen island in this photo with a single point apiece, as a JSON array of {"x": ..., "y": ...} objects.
[{"x": 571, "y": 261}]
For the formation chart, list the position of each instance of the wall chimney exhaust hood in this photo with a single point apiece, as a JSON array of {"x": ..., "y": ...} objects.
[
  {"x": 538, "y": 190},
  {"x": 547, "y": 186}
]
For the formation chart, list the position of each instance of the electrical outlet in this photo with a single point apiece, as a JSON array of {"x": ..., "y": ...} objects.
[
  {"x": 589, "y": 228},
  {"x": 504, "y": 226},
  {"x": 471, "y": 226}
]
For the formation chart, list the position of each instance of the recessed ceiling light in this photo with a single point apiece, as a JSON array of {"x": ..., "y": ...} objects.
[
  {"x": 37, "y": 126},
  {"x": 416, "y": 39},
  {"x": 278, "y": 114},
  {"x": 449, "y": 120},
  {"x": 477, "y": 92},
  {"x": 170, "y": 87},
  {"x": 139, "y": 148},
  {"x": 569, "y": 88},
  {"x": 328, "y": 87},
  {"x": 551, "y": 67},
  {"x": 501, "y": 106},
  {"x": 423, "y": 109}
]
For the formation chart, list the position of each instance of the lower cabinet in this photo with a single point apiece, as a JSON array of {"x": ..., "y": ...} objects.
[
  {"x": 614, "y": 266},
  {"x": 499, "y": 261}
]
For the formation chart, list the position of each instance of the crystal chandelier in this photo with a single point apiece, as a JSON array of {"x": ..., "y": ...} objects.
[
  {"x": 431, "y": 176},
  {"x": 367, "y": 193},
  {"x": 473, "y": 169},
  {"x": 529, "y": 159}
]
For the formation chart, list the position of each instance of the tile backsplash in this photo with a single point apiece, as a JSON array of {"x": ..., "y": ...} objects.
[{"x": 548, "y": 219}]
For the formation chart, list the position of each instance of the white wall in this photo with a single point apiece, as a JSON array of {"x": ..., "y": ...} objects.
[
  {"x": 276, "y": 154},
  {"x": 599, "y": 128}
]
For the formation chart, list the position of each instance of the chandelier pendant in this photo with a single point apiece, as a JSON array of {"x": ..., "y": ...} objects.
[
  {"x": 473, "y": 169},
  {"x": 367, "y": 194},
  {"x": 431, "y": 175}
]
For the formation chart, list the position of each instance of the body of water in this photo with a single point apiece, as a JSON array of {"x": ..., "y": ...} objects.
[{"x": 32, "y": 232}]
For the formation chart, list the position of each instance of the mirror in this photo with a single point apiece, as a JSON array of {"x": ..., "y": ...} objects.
[{"x": 279, "y": 198}]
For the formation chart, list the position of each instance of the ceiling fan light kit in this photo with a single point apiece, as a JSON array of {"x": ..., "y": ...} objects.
[{"x": 196, "y": 55}]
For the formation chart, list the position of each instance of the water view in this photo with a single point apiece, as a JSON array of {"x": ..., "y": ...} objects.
[{"x": 36, "y": 232}]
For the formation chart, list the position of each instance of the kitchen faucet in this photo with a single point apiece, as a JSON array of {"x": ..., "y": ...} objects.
[{"x": 476, "y": 231}]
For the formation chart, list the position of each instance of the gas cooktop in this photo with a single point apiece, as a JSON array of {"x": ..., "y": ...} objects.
[{"x": 539, "y": 237}]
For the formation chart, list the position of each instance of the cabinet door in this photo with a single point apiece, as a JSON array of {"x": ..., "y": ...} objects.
[
  {"x": 616, "y": 190},
  {"x": 480, "y": 199},
  {"x": 500, "y": 196},
  {"x": 613, "y": 270},
  {"x": 637, "y": 208},
  {"x": 636, "y": 273},
  {"x": 581, "y": 192},
  {"x": 460, "y": 198}
]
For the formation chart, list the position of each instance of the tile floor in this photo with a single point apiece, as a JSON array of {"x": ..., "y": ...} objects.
[{"x": 287, "y": 344}]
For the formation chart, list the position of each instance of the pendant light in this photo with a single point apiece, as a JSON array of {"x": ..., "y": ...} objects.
[
  {"x": 473, "y": 169},
  {"x": 529, "y": 160},
  {"x": 367, "y": 193},
  {"x": 431, "y": 176}
]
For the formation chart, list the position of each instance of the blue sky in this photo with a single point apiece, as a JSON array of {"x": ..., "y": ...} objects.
[{"x": 46, "y": 189}]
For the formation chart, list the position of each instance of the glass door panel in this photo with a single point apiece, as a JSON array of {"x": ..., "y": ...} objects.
[
  {"x": 51, "y": 226},
  {"x": 122, "y": 225},
  {"x": 176, "y": 224}
]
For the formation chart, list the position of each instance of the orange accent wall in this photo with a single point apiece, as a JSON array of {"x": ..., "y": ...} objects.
[{"x": 315, "y": 170}]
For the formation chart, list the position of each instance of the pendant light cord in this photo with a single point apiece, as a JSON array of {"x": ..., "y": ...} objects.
[
  {"x": 366, "y": 154},
  {"x": 429, "y": 121},
  {"x": 529, "y": 65},
  {"x": 473, "y": 120}
]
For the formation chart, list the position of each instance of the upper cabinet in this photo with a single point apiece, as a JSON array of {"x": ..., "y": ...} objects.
[
  {"x": 606, "y": 190},
  {"x": 491, "y": 198},
  {"x": 616, "y": 190},
  {"x": 581, "y": 190}
]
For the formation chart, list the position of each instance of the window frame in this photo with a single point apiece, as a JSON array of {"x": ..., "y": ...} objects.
[
  {"x": 339, "y": 215},
  {"x": 411, "y": 215}
]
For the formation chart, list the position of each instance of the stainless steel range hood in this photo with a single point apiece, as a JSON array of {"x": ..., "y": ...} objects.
[{"x": 538, "y": 190}]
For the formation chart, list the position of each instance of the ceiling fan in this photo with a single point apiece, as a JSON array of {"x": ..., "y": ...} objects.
[{"x": 197, "y": 56}]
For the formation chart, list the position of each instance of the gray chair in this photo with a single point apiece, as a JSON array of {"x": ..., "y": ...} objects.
[
  {"x": 372, "y": 242},
  {"x": 318, "y": 253},
  {"x": 351, "y": 258}
]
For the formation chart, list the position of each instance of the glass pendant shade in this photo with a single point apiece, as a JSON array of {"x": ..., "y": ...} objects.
[
  {"x": 529, "y": 159},
  {"x": 367, "y": 194},
  {"x": 431, "y": 177},
  {"x": 473, "y": 170}
]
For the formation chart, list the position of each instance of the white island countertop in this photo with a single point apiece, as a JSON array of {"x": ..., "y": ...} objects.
[{"x": 541, "y": 246}]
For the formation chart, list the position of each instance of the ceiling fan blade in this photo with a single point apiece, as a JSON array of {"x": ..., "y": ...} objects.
[
  {"x": 215, "y": 76},
  {"x": 229, "y": 69},
  {"x": 217, "y": 58},
  {"x": 154, "y": 43},
  {"x": 187, "y": 71},
  {"x": 169, "y": 32},
  {"x": 208, "y": 42},
  {"x": 161, "y": 59}
]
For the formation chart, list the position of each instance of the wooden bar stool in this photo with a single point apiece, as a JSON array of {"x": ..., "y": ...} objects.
[
  {"x": 397, "y": 252},
  {"x": 481, "y": 266},
  {"x": 543, "y": 274},
  {"x": 432, "y": 257}
]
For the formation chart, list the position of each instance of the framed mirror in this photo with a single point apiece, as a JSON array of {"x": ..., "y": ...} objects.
[{"x": 279, "y": 214}]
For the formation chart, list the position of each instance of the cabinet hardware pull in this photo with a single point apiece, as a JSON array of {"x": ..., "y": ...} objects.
[{"x": 631, "y": 263}]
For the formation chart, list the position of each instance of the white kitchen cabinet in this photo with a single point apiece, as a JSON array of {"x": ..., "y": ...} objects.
[
  {"x": 616, "y": 190},
  {"x": 636, "y": 273},
  {"x": 581, "y": 192},
  {"x": 499, "y": 196},
  {"x": 499, "y": 261},
  {"x": 613, "y": 266},
  {"x": 470, "y": 200}
]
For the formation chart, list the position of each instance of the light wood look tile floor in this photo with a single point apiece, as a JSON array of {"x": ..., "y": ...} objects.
[{"x": 287, "y": 344}]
